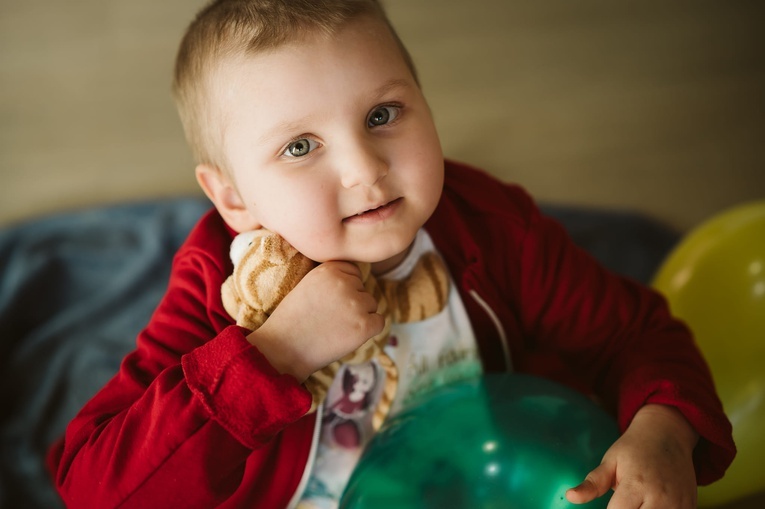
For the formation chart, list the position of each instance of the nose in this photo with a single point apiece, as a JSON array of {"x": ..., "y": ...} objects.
[{"x": 362, "y": 165}]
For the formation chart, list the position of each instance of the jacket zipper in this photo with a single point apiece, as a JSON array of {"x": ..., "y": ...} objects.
[
  {"x": 501, "y": 330},
  {"x": 295, "y": 500}
]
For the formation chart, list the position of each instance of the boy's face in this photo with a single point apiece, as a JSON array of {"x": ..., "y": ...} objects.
[{"x": 330, "y": 143}]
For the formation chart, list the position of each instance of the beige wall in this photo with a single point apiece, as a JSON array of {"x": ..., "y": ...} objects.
[{"x": 638, "y": 104}]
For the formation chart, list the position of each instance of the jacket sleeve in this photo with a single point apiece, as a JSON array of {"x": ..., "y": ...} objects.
[
  {"x": 620, "y": 337},
  {"x": 187, "y": 407}
]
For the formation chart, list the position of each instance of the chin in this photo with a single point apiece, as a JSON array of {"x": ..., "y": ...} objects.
[{"x": 390, "y": 257}]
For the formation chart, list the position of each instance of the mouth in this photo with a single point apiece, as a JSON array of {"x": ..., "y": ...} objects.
[{"x": 375, "y": 214}]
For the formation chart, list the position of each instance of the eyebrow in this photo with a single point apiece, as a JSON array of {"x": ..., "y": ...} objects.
[
  {"x": 378, "y": 94},
  {"x": 391, "y": 85}
]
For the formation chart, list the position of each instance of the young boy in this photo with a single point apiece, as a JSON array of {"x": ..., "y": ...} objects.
[{"x": 306, "y": 118}]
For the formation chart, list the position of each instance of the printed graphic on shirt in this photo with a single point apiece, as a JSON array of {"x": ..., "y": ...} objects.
[
  {"x": 346, "y": 428},
  {"x": 355, "y": 393},
  {"x": 427, "y": 374},
  {"x": 429, "y": 354}
]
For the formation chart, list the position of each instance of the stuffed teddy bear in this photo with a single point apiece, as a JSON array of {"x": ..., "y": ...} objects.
[{"x": 267, "y": 268}]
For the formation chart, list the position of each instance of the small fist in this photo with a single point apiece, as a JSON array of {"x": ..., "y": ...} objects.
[{"x": 326, "y": 316}]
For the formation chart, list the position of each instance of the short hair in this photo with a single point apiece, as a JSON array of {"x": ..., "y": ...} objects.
[{"x": 227, "y": 28}]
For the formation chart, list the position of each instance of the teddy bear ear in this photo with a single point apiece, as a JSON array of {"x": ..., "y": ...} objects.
[
  {"x": 242, "y": 243},
  {"x": 239, "y": 246}
]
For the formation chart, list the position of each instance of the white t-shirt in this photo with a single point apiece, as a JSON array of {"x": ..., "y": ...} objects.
[{"x": 428, "y": 354}]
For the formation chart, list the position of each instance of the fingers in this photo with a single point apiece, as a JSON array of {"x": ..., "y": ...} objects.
[
  {"x": 376, "y": 324},
  {"x": 596, "y": 484},
  {"x": 637, "y": 492},
  {"x": 345, "y": 267},
  {"x": 350, "y": 274}
]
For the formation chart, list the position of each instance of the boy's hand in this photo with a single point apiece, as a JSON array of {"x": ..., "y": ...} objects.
[
  {"x": 326, "y": 316},
  {"x": 650, "y": 466}
]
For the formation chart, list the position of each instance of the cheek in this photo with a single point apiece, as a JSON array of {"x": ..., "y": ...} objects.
[
  {"x": 301, "y": 212},
  {"x": 428, "y": 171},
  {"x": 428, "y": 180},
  {"x": 271, "y": 197},
  {"x": 425, "y": 148}
]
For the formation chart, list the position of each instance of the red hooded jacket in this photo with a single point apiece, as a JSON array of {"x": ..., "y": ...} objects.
[{"x": 197, "y": 417}]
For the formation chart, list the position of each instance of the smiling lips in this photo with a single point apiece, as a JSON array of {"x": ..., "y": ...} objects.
[{"x": 377, "y": 214}]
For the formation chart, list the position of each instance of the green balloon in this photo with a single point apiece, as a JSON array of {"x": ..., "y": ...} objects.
[{"x": 501, "y": 441}]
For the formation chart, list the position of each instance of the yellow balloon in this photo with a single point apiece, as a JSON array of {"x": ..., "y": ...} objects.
[{"x": 715, "y": 281}]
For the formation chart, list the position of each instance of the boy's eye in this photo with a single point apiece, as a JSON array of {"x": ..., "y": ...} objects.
[
  {"x": 299, "y": 148},
  {"x": 382, "y": 115}
]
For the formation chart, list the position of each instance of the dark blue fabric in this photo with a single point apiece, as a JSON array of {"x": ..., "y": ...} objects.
[
  {"x": 74, "y": 292},
  {"x": 76, "y": 289}
]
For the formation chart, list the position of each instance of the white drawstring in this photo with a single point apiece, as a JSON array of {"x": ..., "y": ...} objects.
[{"x": 498, "y": 325}]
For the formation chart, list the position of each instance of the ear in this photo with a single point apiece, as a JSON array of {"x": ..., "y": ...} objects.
[{"x": 223, "y": 193}]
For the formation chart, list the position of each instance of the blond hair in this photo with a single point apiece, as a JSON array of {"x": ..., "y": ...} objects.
[{"x": 226, "y": 28}]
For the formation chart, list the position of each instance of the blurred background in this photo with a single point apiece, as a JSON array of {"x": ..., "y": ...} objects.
[{"x": 645, "y": 105}]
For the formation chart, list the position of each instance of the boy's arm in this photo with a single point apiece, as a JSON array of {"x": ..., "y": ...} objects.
[
  {"x": 187, "y": 408},
  {"x": 619, "y": 337}
]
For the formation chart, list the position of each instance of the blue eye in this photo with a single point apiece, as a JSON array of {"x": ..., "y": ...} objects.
[
  {"x": 300, "y": 148},
  {"x": 382, "y": 115}
]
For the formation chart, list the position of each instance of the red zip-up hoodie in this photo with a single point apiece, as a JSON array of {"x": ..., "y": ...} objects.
[{"x": 197, "y": 417}]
